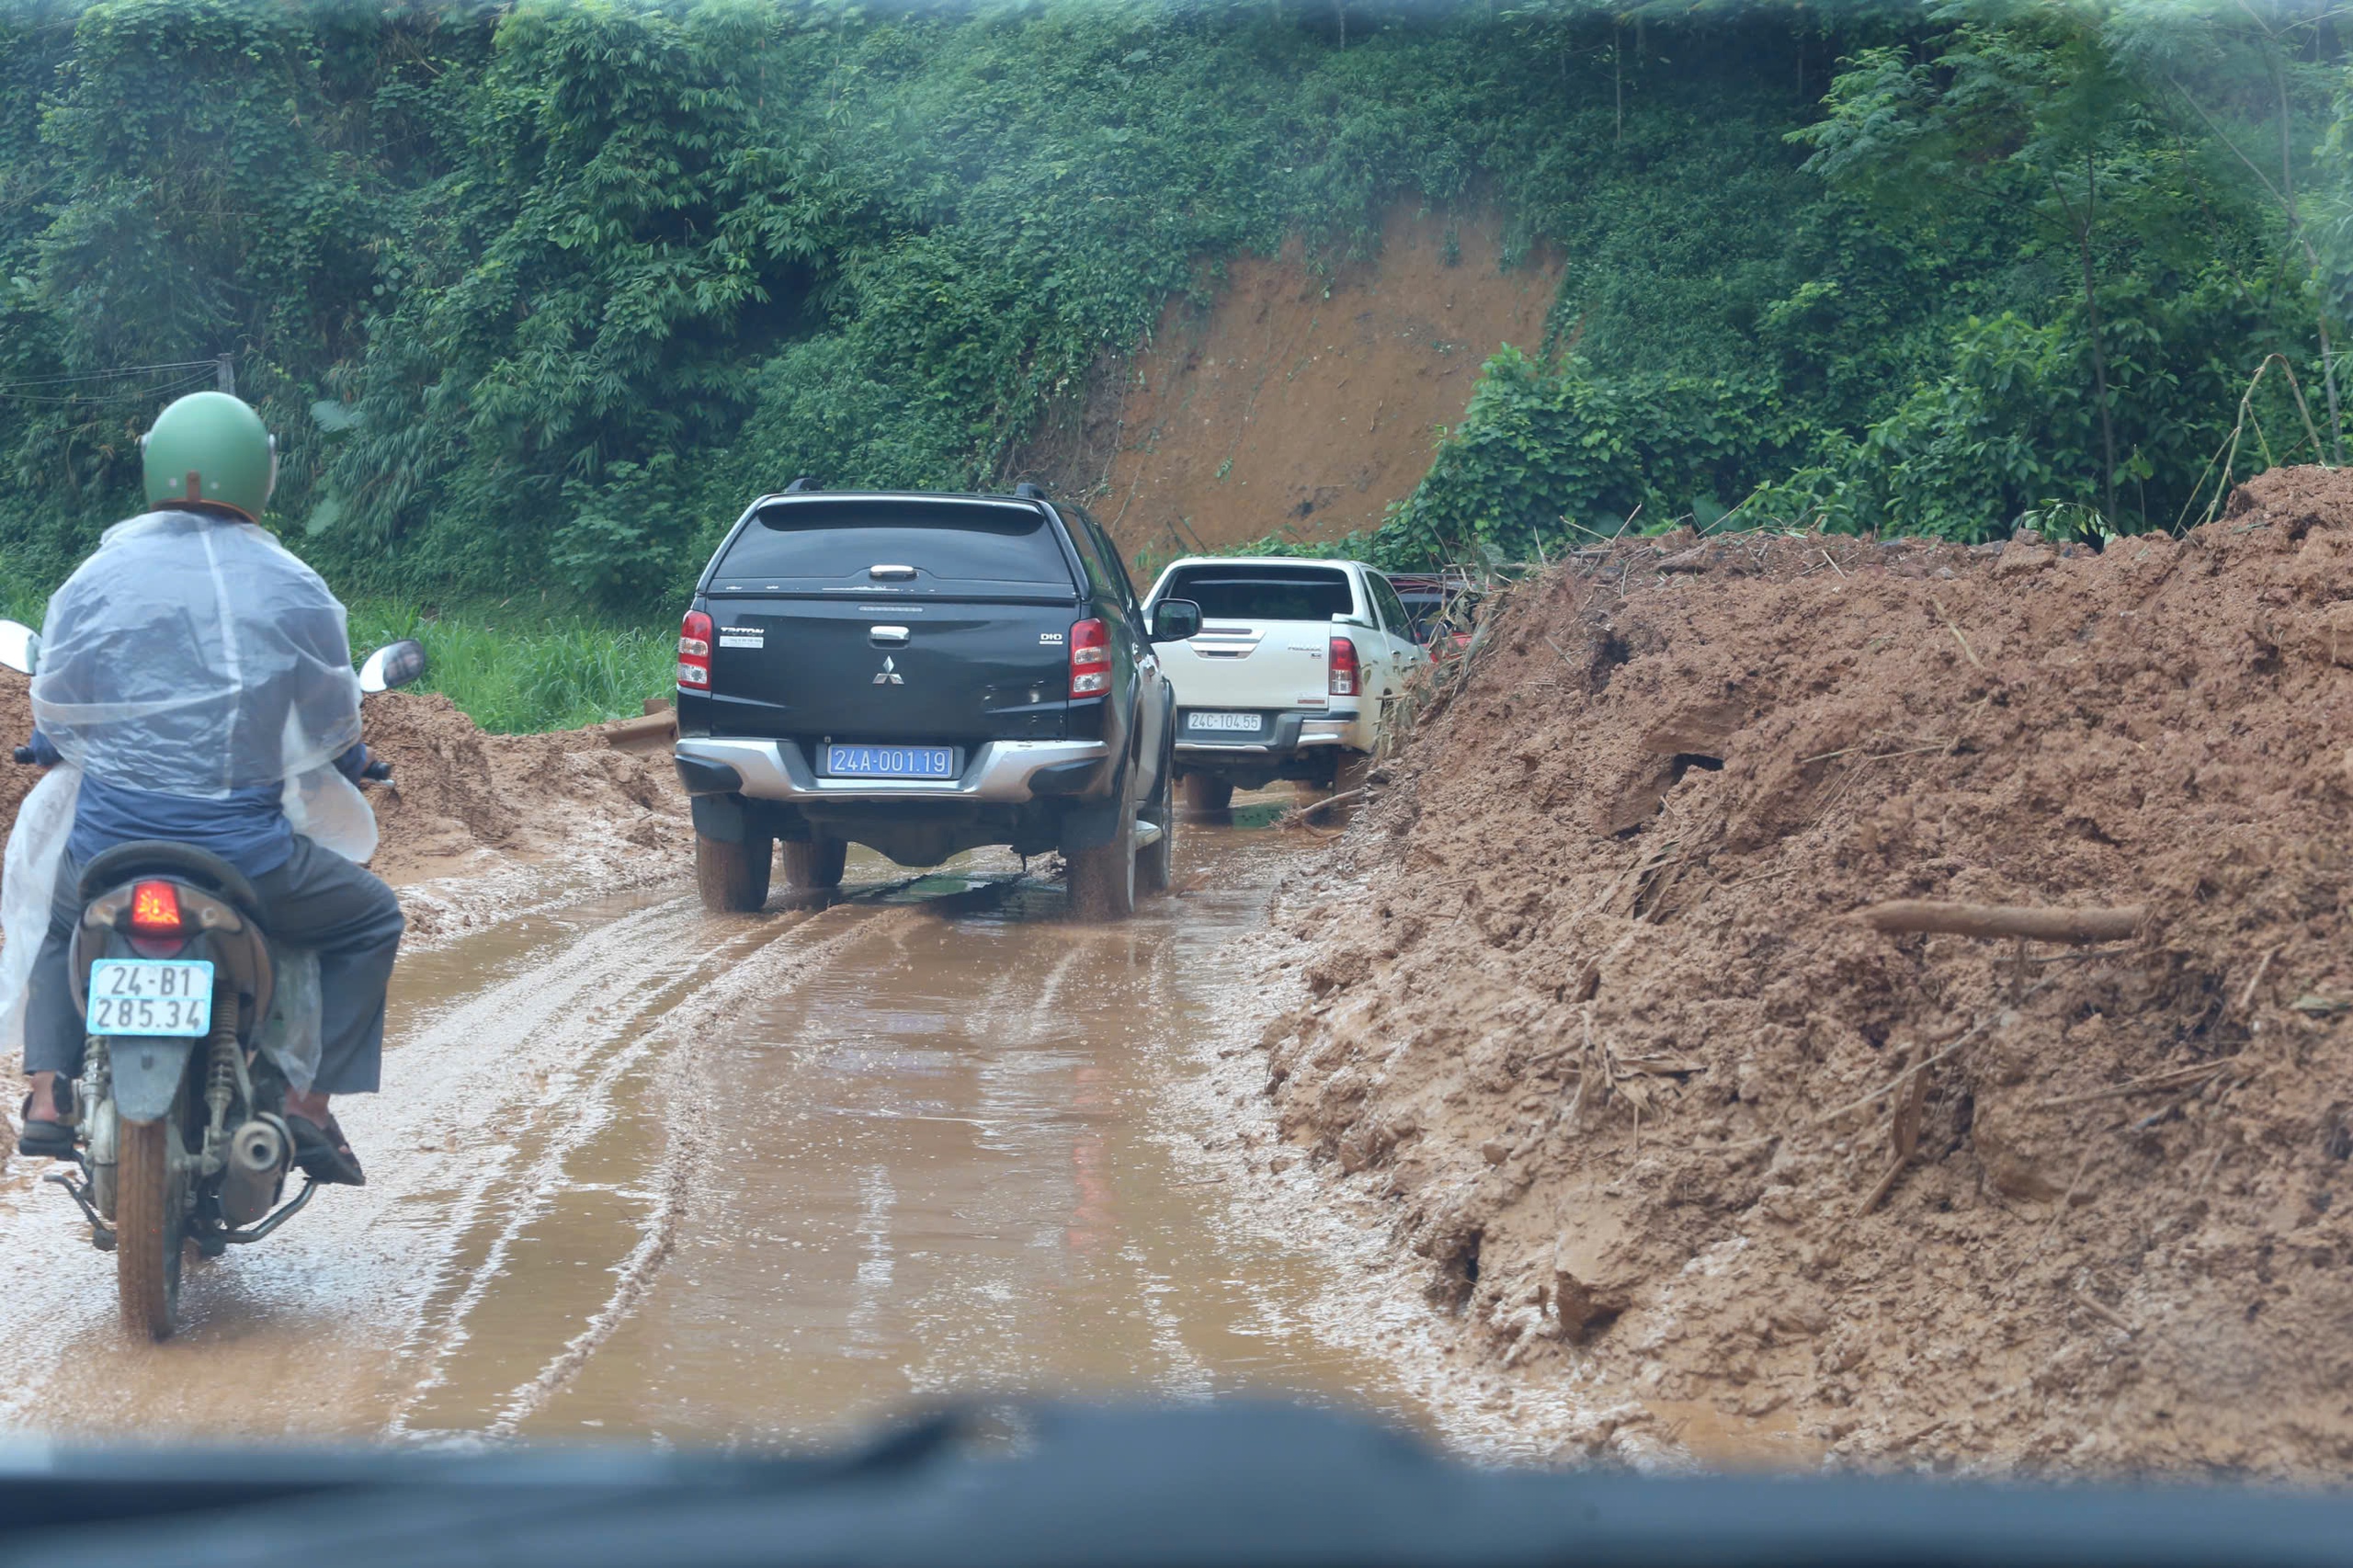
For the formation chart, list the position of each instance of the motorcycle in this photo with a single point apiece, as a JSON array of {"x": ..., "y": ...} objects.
[{"x": 191, "y": 1010}]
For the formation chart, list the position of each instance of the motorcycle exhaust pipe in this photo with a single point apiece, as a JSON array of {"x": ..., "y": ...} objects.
[{"x": 258, "y": 1152}]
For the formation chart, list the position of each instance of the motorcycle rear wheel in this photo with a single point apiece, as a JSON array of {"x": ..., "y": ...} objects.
[{"x": 149, "y": 1226}]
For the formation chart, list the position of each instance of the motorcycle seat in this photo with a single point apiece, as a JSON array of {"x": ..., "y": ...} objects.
[{"x": 157, "y": 857}]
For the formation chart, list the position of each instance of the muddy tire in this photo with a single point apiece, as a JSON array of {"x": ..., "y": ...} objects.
[
  {"x": 149, "y": 1223},
  {"x": 734, "y": 877},
  {"x": 1156, "y": 861},
  {"x": 1355, "y": 772},
  {"x": 815, "y": 865},
  {"x": 1102, "y": 880},
  {"x": 1207, "y": 795}
]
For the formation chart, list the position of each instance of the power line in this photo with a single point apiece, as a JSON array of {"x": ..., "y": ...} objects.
[
  {"x": 116, "y": 374},
  {"x": 125, "y": 395}
]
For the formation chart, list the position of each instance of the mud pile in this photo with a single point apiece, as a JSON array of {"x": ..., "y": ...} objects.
[
  {"x": 1593, "y": 1017},
  {"x": 458, "y": 792},
  {"x": 464, "y": 805}
]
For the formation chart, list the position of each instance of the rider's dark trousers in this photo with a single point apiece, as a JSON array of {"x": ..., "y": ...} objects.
[{"x": 317, "y": 900}]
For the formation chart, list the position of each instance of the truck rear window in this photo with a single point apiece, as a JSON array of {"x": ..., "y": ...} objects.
[
  {"x": 1264, "y": 593},
  {"x": 815, "y": 546}
]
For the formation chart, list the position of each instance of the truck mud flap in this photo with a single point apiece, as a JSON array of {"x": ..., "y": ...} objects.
[
  {"x": 1092, "y": 825},
  {"x": 721, "y": 818},
  {"x": 146, "y": 1074}
]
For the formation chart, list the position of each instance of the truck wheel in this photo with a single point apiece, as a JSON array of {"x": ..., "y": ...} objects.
[
  {"x": 150, "y": 1224},
  {"x": 1102, "y": 880},
  {"x": 1355, "y": 772},
  {"x": 815, "y": 865},
  {"x": 1156, "y": 861},
  {"x": 1208, "y": 794},
  {"x": 734, "y": 877}
]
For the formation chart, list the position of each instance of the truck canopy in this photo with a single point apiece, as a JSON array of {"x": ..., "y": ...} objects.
[{"x": 970, "y": 549}]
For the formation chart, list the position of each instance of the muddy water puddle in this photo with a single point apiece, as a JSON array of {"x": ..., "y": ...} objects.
[{"x": 643, "y": 1172}]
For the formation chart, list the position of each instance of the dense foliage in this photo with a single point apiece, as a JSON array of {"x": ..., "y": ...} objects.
[
  {"x": 539, "y": 293},
  {"x": 2110, "y": 209}
]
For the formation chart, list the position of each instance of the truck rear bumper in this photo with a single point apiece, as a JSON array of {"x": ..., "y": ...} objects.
[
  {"x": 1294, "y": 733},
  {"x": 1008, "y": 772}
]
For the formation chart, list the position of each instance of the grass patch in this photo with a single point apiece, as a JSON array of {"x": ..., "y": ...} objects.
[
  {"x": 551, "y": 674},
  {"x": 516, "y": 680}
]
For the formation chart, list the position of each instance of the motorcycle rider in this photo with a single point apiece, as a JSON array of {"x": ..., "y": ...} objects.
[{"x": 199, "y": 675}]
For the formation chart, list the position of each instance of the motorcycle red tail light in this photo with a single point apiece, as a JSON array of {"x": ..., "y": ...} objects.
[
  {"x": 694, "y": 650},
  {"x": 155, "y": 909},
  {"x": 1090, "y": 659},
  {"x": 1344, "y": 667}
]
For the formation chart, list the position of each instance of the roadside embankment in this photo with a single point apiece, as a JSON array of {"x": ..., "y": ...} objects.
[{"x": 1589, "y": 1014}]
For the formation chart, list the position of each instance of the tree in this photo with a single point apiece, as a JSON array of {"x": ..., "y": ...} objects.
[{"x": 2027, "y": 109}]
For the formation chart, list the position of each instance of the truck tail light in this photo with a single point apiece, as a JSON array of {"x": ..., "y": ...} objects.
[
  {"x": 1090, "y": 659},
  {"x": 694, "y": 650},
  {"x": 1344, "y": 667}
]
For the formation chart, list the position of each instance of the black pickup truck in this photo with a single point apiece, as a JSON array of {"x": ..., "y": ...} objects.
[{"x": 924, "y": 675}]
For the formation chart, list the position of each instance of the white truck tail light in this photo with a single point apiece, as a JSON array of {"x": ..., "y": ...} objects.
[
  {"x": 694, "y": 650},
  {"x": 1343, "y": 665},
  {"x": 1090, "y": 659}
]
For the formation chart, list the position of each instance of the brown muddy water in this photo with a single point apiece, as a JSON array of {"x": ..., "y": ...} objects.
[{"x": 642, "y": 1172}]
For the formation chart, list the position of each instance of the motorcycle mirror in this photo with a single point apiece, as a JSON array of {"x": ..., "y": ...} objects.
[
  {"x": 395, "y": 664},
  {"x": 19, "y": 647}
]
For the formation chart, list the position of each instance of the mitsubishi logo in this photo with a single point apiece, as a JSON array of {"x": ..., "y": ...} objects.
[{"x": 890, "y": 676}]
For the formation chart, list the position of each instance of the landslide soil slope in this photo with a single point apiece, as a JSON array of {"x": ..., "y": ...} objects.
[
  {"x": 1593, "y": 1017},
  {"x": 1305, "y": 398}
]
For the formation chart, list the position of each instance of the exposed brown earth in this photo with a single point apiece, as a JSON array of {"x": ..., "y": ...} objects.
[
  {"x": 1593, "y": 1017},
  {"x": 1304, "y": 399}
]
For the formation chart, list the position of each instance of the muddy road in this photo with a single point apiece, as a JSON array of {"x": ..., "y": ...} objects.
[{"x": 640, "y": 1172}]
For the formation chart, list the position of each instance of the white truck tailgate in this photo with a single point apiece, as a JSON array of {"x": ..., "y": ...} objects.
[{"x": 1254, "y": 666}]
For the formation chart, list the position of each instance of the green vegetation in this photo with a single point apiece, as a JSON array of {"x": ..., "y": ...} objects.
[
  {"x": 538, "y": 294},
  {"x": 514, "y": 678}
]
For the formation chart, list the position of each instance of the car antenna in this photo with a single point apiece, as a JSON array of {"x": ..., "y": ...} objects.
[
  {"x": 803, "y": 484},
  {"x": 1029, "y": 491}
]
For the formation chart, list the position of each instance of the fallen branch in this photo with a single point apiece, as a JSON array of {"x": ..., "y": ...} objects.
[
  {"x": 2102, "y": 1311},
  {"x": 2039, "y": 925},
  {"x": 1956, "y": 631},
  {"x": 1344, "y": 797},
  {"x": 2154, "y": 1082}
]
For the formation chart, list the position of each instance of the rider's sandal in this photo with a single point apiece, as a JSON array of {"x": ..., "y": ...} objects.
[
  {"x": 323, "y": 1153},
  {"x": 42, "y": 1139}
]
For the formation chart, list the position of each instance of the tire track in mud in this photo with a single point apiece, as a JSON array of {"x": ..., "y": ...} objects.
[
  {"x": 779, "y": 958},
  {"x": 375, "y": 1287}
]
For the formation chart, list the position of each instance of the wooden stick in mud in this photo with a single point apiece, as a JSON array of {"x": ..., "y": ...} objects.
[
  {"x": 653, "y": 732},
  {"x": 1342, "y": 799},
  {"x": 2031, "y": 923}
]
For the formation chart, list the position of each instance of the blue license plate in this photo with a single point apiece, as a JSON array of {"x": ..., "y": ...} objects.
[{"x": 890, "y": 762}]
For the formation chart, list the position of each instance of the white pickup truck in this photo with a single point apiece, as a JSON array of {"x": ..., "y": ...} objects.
[{"x": 1291, "y": 676}]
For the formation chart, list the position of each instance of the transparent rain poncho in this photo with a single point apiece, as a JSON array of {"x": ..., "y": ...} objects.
[{"x": 206, "y": 659}]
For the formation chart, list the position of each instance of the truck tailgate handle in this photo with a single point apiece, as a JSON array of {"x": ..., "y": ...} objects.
[
  {"x": 887, "y": 574},
  {"x": 887, "y": 636}
]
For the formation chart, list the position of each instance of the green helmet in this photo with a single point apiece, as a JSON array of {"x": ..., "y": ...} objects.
[{"x": 210, "y": 450}]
